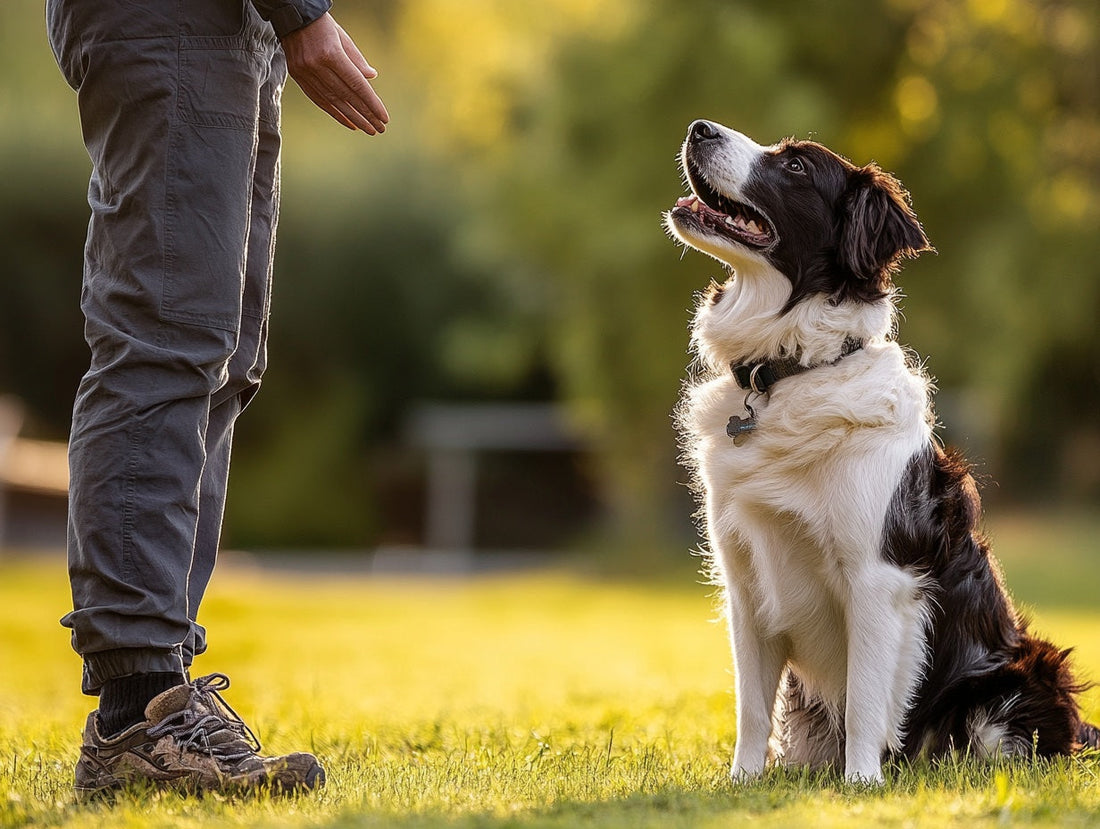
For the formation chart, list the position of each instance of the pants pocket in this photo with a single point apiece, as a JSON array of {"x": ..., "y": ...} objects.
[
  {"x": 211, "y": 166},
  {"x": 220, "y": 80}
]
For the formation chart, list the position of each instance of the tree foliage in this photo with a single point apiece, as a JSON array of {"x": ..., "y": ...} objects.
[
  {"x": 504, "y": 240},
  {"x": 987, "y": 109}
]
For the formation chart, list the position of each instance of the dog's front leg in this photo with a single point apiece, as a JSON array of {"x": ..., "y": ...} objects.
[
  {"x": 884, "y": 636},
  {"x": 758, "y": 662}
]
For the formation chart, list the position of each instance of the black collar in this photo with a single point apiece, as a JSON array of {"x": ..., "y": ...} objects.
[{"x": 761, "y": 376}]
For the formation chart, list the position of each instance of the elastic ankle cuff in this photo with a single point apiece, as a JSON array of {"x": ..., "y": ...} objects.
[{"x": 104, "y": 666}]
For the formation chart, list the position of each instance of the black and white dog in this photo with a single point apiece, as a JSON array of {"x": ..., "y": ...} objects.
[{"x": 867, "y": 615}]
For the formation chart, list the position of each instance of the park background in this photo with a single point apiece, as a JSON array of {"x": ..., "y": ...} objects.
[
  {"x": 496, "y": 263},
  {"x": 502, "y": 242}
]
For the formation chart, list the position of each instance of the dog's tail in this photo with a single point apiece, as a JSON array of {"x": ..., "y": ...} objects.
[{"x": 1088, "y": 736}]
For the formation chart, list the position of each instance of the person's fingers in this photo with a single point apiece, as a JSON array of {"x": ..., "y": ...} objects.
[
  {"x": 356, "y": 57},
  {"x": 332, "y": 96},
  {"x": 321, "y": 99},
  {"x": 335, "y": 75},
  {"x": 350, "y": 92},
  {"x": 356, "y": 77},
  {"x": 353, "y": 112},
  {"x": 375, "y": 105},
  {"x": 354, "y": 74},
  {"x": 350, "y": 114},
  {"x": 345, "y": 88}
]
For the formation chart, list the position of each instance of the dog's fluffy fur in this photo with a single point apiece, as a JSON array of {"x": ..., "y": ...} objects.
[{"x": 867, "y": 615}]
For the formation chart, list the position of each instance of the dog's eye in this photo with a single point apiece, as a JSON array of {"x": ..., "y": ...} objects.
[{"x": 795, "y": 165}]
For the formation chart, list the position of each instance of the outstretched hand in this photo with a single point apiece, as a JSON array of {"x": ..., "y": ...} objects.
[{"x": 333, "y": 73}]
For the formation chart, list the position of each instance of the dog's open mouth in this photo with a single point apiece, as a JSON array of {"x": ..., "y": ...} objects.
[{"x": 713, "y": 211}]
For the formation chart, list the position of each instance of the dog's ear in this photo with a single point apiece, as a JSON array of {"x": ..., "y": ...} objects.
[{"x": 878, "y": 226}]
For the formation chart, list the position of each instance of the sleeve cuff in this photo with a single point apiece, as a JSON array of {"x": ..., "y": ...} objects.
[{"x": 287, "y": 17}]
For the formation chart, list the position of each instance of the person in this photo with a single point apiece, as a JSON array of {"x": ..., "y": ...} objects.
[{"x": 179, "y": 107}]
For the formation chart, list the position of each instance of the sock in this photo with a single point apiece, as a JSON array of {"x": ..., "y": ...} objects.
[{"x": 122, "y": 701}]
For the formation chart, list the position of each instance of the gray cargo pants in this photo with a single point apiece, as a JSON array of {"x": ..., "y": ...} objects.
[{"x": 179, "y": 106}]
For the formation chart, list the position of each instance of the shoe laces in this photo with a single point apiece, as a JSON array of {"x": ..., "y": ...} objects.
[{"x": 220, "y": 732}]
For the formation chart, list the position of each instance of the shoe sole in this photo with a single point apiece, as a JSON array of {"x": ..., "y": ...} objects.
[{"x": 315, "y": 778}]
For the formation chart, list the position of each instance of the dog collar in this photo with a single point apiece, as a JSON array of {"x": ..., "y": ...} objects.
[{"x": 759, "y": 377}]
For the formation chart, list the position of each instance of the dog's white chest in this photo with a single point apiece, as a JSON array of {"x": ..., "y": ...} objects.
[{"x": 795, "y": 510}]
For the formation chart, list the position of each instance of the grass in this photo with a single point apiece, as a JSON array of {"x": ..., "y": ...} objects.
[{"x": 548, "y": 699}]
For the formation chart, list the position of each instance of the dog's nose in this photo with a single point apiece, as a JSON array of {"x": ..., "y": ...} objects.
[{"x": 703, "y": 131}]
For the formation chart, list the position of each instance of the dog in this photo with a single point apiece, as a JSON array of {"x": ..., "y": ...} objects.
[{"x": 868, "y": 617}]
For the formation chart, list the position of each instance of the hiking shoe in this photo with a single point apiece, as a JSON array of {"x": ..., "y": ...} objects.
[{"x": 191, "y": 739}]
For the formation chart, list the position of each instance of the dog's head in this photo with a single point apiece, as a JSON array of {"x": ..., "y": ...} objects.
[{"x": 796, "y": 207}]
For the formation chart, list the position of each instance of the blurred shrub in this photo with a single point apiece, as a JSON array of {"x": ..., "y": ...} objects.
[{"x": 503, "y": 239}]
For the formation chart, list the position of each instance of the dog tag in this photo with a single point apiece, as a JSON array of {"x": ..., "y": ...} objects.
[{"x": 739, "y": 428}]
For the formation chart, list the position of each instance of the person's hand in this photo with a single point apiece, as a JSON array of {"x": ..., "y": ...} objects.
[{"x": 333, "y": 73}]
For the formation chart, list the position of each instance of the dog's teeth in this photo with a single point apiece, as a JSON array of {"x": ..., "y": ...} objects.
[{"x": 695, "y": 206}]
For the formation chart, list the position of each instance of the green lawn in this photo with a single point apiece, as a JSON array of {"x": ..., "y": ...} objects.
[{"x": 548, "y": 699}]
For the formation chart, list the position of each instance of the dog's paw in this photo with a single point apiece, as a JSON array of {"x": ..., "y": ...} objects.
[
  {"x": 741, "y": 775},
  {"x": 871, "y": 778}
]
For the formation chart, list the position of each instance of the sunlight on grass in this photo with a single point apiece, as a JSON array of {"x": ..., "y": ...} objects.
[{"x": 544, "y": 699}]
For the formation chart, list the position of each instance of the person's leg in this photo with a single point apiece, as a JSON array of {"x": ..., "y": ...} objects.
[
  {"x": 250, "y": 359},
  {"x": 169, "y": 107},
  {"x": 180, "y": 121}
]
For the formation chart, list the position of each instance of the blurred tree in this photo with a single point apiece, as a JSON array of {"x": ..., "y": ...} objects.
[
  {"x": 42, "y": 353},
  {"x": 503, "y": 239},
  {"x": 583, "y": 185},
  {"x": 997, "y": 107},
  {"x": 369, "y": 300},
  {"x": 986, "y": 108},
  {"x": 43, "y": 216}
]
